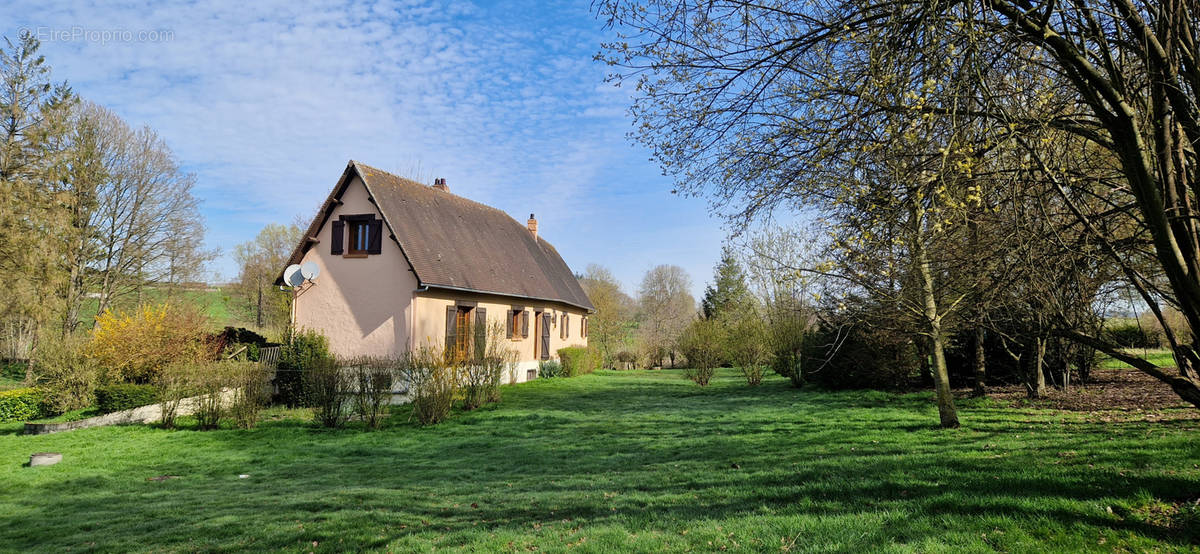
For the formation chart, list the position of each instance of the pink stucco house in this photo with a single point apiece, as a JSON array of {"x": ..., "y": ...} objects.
[{"x": 405, "y": 264}]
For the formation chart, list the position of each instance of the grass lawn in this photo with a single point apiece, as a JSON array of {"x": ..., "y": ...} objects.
[
  {"x": 1161, "y": 357},
  {"x": 630, "y": 461}
]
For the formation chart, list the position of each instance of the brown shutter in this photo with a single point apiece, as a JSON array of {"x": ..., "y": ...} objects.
[
  {"x": 508, "y": 323},
  {"x": 338, "y": 239},
  {"x": 566, "y": 326},
  {"x": 545, "y": 338},
  {"x": 481, "y": 333},
  {"x": 524, "y": 323},
  {"x": 375, "y": 237},
  {"x": 451, "y": 316}
]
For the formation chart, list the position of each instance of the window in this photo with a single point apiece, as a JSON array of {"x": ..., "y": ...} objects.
[
  {"x": 357, "y": 235},
  {"x": 462, "y": 335},
  {"x": 360, "y": 237},
  {"x": 530, "y": 374},
  {"x": 518, "y": 323}
]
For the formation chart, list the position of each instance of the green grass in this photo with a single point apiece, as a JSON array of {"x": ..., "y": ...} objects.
[
  {"x": 218, "y": 304},
  {"x": 617, "y": 462},
  {"x": 1158, "y": 356}
]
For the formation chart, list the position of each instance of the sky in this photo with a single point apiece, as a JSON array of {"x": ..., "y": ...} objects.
[{"x": 266, "y": 101}]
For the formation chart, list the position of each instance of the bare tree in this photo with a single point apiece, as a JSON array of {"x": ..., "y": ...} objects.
[
  {"x": 261, "y": 260},
  {"x": 609, "y": 328},
  {"x": 666, "y": 307}
]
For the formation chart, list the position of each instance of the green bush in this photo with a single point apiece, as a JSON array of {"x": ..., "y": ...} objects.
[
  {"x": 124, "y": 396},
  {"x": 303, "y": 350},
  {"x": 433, "y": 382},
  {"x": 577, "y": 360},
  {"x": 22, "y": 404},
  {"x": 1133, "y": 335},
  {"x": 549, "y": 368},
  {"x": 701, "y": 342},
  {"x": 65, "y": 374}
]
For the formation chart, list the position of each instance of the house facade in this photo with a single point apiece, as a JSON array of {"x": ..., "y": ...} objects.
[{"x": 405, "y": 265}]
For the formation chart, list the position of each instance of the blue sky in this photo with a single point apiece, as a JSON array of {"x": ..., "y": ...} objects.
[{"x": 266, "y": 101}]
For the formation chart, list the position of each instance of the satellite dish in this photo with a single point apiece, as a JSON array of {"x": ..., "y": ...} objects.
[
  {"x": 292, "y": 276},
  {"x": 310, "y": 271}
]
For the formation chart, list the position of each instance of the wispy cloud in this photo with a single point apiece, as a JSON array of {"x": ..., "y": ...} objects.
[{"x": 266, "y": 101}]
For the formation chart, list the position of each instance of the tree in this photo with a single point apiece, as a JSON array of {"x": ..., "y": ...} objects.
[
  {"x": 609, "y": 327},
  {"x": 728, "y": 295},
  {"x": 665, "y": 309},
  {"x": 33, "y": 115},
  {"x": 261, "y": 260},
  {"x": 745, "y": 101}
]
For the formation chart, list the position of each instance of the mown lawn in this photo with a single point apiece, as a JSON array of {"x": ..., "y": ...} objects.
[
  {"x": 614, "y": 462},
  {"x": 1161, "y": 357}
]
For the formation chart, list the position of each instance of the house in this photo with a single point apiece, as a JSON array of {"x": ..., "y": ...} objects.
[{"x": 404, "y": 265}]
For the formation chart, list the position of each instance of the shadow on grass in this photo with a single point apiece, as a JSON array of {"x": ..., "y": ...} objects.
[{"x": 647, "y": 456}]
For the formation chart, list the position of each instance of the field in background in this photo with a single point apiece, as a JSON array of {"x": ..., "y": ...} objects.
[{"x": 620, "y": 461}]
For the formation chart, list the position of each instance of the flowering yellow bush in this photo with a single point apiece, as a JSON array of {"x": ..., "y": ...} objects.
[{"x": 134, "y": 347}]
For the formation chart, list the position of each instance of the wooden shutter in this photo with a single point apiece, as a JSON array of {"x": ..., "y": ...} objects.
[
  {"x": 338, "y": 239},
  {"x": 524, "y": 323},
  {"x": 508, "y": 323},
  {"x": 545, "y": 338},
  {"x": 480, "y": 333},
  {"x": 451, "y": 316},
  {"x": 375, "y": 237},
  {"x": 566, "y": 326}
]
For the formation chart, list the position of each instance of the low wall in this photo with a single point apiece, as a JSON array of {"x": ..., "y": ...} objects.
[{"x": 144, "y": 414}]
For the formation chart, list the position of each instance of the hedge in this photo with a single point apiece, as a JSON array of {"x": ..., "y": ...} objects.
[
  {"x": 576, "y": 360},
  {"x": 114, "y": 398},
  {"x": 21, "y": 405}
]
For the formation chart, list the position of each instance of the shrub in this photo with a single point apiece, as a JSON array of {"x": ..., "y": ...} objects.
[
  {"x": 1134, "y": 335},
  {"x": 483, "y": 374},
  {"x": 789, "y": 335},
  {"x": 209, "y": 381},
  {"x": 251, "y": 390},
  {"x": 701, "y": 343},
  {"x": 326, "y": 388},
  {"x": 65, "y": 374},
  {"x": 432, "y": 384},
  {"x": 549, "y": 368},
  {"x": 857, "y": 357},
  {"x": 22, "y": 404},
  {"x": 746, "y": 348},
  {"x": 124, "y": 396},
  {"x": 372, "y": 387},
  {"x": 626, "y": 359},
  {"x": 577, "y": 360},
  {"x": 135, "y": 347},
  {"x": 301, "y": 350},
  {"x": 174, "y": 383}
]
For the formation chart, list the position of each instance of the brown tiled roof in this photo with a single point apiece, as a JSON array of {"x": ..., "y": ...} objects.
[{"x": 455, "y": 243}]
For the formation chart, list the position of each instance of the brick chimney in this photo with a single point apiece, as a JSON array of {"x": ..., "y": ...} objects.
[
  {"x": 440, "y": 184},
  {"x": 532, "y": 224}
]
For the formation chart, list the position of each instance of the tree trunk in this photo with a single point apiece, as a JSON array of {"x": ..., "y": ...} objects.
[
  {"x": 258, "y": 318},
  {"x": 979, "y": 362},
  {"x": 947, "y": 413},
  {"x": 1035, "y": 375}
]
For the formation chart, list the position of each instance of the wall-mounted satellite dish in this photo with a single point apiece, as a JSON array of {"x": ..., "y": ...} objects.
[
  {"x": 309, "y": 270},
  {"x": 292, "y": 276}
]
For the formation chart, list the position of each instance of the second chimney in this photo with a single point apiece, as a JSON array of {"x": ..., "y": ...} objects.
[
  {"x": 532, "y": 223},
  {"x": 440, "y": 184}
]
